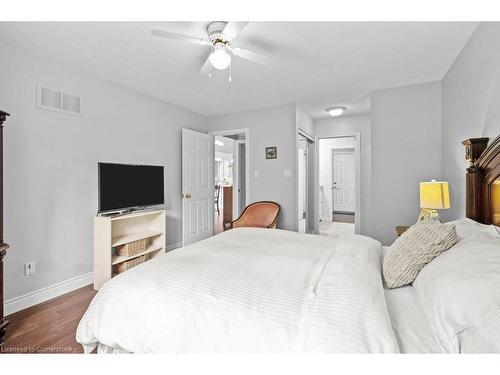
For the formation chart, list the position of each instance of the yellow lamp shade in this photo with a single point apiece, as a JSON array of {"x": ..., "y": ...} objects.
[{"x": 434, "y": 195}]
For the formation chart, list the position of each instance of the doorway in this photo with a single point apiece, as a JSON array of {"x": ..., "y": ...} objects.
[
  {"x": 338, "y": 186},
  {"x": 305, "y": 183},
  {"x": 231, "y": 188}
]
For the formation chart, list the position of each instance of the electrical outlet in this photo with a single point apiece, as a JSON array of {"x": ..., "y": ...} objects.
[{"x": 29, "y": 268}]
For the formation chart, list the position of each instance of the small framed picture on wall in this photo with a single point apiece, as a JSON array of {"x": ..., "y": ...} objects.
[{"x": 271, "y": 152}]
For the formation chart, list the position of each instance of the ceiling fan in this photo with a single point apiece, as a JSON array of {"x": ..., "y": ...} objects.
[{"x": 220, "y": 37}]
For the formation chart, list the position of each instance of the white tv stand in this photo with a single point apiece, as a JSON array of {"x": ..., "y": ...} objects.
[{"x": 112, "y": 231}]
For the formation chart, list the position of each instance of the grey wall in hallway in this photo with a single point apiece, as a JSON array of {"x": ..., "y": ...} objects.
[
  {"x": 347, "y": 125},
  {"x": 304, "y": 121}
]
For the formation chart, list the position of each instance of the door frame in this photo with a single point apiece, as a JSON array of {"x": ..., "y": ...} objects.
[
  {"x": 357, "y": 175},
  {"x": 305, "y": 205},
  {"x": 313, "y": 140},
  {"x": 237, "y": 178},
  {"x": 246, "y": 131}
]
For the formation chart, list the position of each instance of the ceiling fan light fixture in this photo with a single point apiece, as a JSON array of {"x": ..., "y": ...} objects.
[
  {"x": 220, "y": 59},
  {"x": 335, "y": 111}
]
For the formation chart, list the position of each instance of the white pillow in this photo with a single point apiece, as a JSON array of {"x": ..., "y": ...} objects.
[
  {"x": 416, "y": 247},
  {"x": 460, "y": 294},
  {"x": 466, "y": 227}
]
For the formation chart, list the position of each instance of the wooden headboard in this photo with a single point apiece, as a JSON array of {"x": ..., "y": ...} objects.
[{"x": 483, "y": 180}]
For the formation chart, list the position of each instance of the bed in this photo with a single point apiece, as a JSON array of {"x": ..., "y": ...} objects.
[
  {"x": 261, "y": 290},
  {"x": 247, "y": 290}
]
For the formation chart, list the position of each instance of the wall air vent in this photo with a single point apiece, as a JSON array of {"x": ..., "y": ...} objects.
[{"x": 56, "y": 100}]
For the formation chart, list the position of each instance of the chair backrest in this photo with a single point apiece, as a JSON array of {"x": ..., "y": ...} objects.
[{"x": 259, "y": 214}]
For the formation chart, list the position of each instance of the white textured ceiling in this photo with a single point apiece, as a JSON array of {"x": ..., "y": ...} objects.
[{"x": 317, "y": 64}]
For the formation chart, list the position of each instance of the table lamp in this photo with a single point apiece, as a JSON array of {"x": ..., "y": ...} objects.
[{"x": 434, "y": 195}]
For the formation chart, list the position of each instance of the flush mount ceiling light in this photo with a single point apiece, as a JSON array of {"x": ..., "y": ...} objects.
[
  {"x": 219, "y": 143},
  {"x": 335, "y": 111},
  {"x": 220, "y": 59}
]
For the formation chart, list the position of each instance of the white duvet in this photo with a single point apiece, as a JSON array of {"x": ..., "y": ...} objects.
[{"x": 247, "y": 290}]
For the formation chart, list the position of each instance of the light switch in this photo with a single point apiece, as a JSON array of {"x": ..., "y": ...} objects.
[
  {"x": 288, "y": 173},
  {"x": 256, "y": 174}
]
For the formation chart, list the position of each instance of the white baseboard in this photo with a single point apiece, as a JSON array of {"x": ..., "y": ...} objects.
[
  {"x": 174, "y": 246},
  {"x": 38, "y": 296}
]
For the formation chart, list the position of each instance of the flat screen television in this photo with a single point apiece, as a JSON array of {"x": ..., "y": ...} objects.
[{"x": 125, "y": 187}]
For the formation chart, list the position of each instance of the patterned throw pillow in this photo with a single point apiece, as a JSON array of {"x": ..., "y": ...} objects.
[{"x": 416, "y": 247}]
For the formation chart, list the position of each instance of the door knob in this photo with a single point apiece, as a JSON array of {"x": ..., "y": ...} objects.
[{"x": 187, "y": 195}]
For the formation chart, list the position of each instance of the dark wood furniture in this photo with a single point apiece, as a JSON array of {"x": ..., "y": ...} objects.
[
  {"x": 400, "y": 229},
  {"x": 482, "y": 181},
  {"x": 263, "y": 214},
  {"x": 3, "y": 246},
  {"x": 227, "y": 199}
]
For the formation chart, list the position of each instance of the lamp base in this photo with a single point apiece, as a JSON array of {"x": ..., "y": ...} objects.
[{"x": 428, "y": 214}]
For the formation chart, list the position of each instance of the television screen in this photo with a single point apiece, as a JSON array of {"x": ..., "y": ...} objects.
[{"x": 125, "y": 186}]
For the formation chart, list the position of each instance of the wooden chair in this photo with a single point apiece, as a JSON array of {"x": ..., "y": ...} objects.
[
  {"x": 216, "y": 198},
  {"x": 263, "y": 214}
]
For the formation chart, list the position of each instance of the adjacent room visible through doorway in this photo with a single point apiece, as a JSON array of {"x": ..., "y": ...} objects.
[
  {"x": 337, "y": 186},
  {"x": 230, "y": 177}
]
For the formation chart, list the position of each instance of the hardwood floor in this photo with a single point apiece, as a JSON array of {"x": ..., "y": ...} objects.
[
  {"x": 344, "y": 218},
  {"x": 49, "y": 327},
  {"x": 218, "y": 226}
]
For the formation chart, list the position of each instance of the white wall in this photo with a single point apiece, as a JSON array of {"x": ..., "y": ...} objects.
[
  {"x": 304, "y": 121},
  {"x": 349, "y": 125},
  {"x": 406, "y": 149},
  {"x": 471, "y": 107},
  {"x": 269, "y": 127},
  {"x": 50, "y": 194},
  {"x": 325, "y": 171}
]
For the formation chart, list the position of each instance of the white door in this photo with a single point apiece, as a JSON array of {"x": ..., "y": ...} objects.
[
  {"x": 343, "y": 182},
  {"x": 302, "y": 187},
  {"x": 197, "y": 186}
]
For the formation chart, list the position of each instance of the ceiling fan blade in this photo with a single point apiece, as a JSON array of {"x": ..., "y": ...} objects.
[
  {"x": 233, "y": 28},
  {"x": 252, "y": 56},
  {"x": 175, "y": 36},
  {"x": 207, "y": 67}
]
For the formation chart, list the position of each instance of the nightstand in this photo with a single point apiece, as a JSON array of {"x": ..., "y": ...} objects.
[{"x": 400, "y": 229}]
